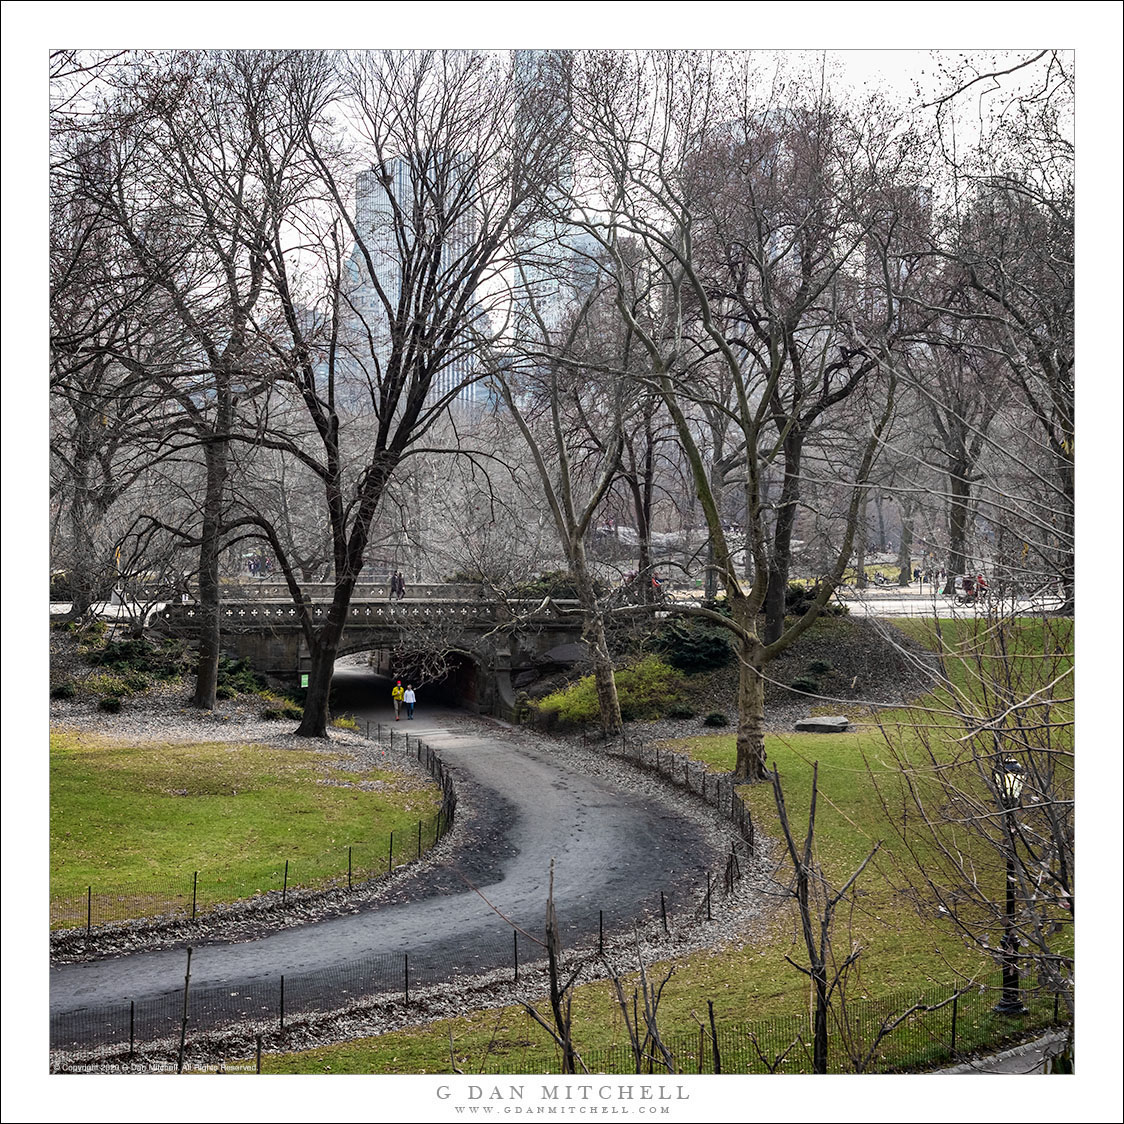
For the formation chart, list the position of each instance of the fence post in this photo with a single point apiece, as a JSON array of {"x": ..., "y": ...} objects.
[
  {"x": 349, "y": 868},
  {"x": 663, "y": 914},
  {"x": 708, "y": 916},
  {"x": 419, "y": 838},
  {"x": 194, "y": 893},
  {"x": 714, "y": 1038},
  {"x": 952, "y": 1043},
  {"x": 390, "y": 858},
  {"x": 285, "y": 884},
  {"x": 132, "y": 1027},
  {"x": 282, "y": 1003},
  {"x": 183, "y": 1021},
  {"x": 406, "y": 962},
  {"x": 515, "y": 953},
  {"x": 257, "y": 1068}
]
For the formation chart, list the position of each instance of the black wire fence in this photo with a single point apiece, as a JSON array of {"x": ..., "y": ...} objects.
[
  {"x": 352, "y": 868},
  {"x": 266, "y": 1004},
  {"x": 902, "y": 1032},
  {"x": 718, "y": 789}
]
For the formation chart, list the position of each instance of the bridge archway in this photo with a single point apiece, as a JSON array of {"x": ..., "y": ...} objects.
[{"x": 462, "y": 681}]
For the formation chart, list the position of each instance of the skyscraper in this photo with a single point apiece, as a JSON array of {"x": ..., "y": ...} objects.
[{"x": 415, "y": 223}]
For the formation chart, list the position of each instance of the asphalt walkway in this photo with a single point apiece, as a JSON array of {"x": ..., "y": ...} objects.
[{"x": 614, "y": 849}]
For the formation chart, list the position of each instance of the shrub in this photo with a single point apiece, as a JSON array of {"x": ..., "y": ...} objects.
[
  {"x": 111, "y": 704},
  {"x": 644, "y": 690},
  {"x": 222, "y": 691},
  {"x": 716, "y": 718},
  {"x": 278, "y": 713},
  {"x": 680, "y": 711},
  {"x": 555, "y": 583},
  {"x": 143, "y": 659},
  {"x": 346, "y": 722},
  {"x": 819, "y": 667},
  {"x": 807, "y": 684},
  {"x": 239, "y": 677},
  {"x": 106, "y": 684},
  {"x": 65, "y": 690},
  {"x": 136, "y": 681},
  {"x": 692, "y": 646}
]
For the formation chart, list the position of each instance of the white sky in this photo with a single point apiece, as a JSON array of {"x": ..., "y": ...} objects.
[{"x": 870, "y": 30}]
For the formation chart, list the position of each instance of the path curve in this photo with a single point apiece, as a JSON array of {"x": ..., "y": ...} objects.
[{"x": 614, "y": 849}]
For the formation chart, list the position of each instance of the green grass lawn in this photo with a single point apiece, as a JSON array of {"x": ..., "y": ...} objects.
[{"x": 134, "y": 822}]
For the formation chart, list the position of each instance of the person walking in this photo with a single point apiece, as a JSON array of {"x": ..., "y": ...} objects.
[
  {"x": 401, "y": 584},
  {"x": 409, "y": 698},
  {"x": 396, "y": 695}
]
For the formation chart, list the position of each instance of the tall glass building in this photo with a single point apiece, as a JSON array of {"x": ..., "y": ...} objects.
[{"x": 402, "y": 215}]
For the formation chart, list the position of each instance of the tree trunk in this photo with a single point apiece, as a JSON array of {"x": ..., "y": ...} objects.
[
  {"x": 750, "y": 766},
  {"x": 819, "y": 1028},
  {"x": 316, "y": 717},
  {"x": 781, "y": 557},
  {"x": 322, "y": 651},
  {"x": 905, "y": 550},
  {"x": 210, "y": 589},
  {"x": 960, "y": 492},
  {"x": 593, "y": 632},
  {"x": 860, "y": 546}
]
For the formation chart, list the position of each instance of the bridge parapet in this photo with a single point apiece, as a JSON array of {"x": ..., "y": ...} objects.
[
  {"x": 397, "y": 614},
  {"x": 251, "y": 590}
]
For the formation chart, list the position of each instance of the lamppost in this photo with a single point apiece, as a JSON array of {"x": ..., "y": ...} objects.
[{"x": 1008, "y": 776}]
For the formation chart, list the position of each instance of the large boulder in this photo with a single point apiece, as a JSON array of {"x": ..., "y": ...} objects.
[{"x": 835, "y": 724}]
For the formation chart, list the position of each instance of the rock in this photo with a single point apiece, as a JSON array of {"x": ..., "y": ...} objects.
[{"x": 835, "y": 724}]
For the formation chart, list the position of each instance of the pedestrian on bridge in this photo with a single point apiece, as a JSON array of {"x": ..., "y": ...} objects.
[{"x": 409, "y": 698}]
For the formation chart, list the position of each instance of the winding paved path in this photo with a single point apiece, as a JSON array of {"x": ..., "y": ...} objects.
[{"x": 613, "y": 849}]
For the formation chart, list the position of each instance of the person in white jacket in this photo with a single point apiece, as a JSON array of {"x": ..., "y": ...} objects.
[{"x": 409, "y": 698}]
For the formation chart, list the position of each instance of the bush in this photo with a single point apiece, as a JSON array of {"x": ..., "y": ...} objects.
[
  {"x": 798, "y": 599},
  {"x": 645, "y": 690},
  {"x": 679, "y": 711},
  {"x": 239, "y": 677},
  {"x": 222, "y": 691},
  {"x": 111, "y": 704},
  {"x": 87, "y": 628},
  {"x": 65, "y": 690},
  {"x": 346, "y": 722},
  {"x": 716, "y": 718},
  {"x": 807, "y": 684},
  {"x": 692, "y": 646},
  {"x": 819, "y": 667},
  {"x": 556, "y": 583},
  {"x": 287, "y": 713},
  {"x": 105, "y": 683},
  {"x": 143, "y": 659}
]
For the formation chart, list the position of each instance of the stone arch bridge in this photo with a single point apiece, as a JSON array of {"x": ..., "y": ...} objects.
[{"x": 493, "y": 647}]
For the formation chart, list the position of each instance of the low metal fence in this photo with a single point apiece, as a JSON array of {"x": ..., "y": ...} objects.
[
  {"x": 899, "y": 1033},
  {"x": 350, "y": 868}
]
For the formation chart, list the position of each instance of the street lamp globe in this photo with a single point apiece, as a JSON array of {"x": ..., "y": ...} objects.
[{"x": 1008, "y": 776}]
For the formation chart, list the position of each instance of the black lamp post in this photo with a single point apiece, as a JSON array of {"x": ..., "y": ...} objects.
[{"x": 1008, "y": 776}]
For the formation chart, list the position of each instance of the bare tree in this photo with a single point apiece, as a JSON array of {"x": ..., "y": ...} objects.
[
  {"x": 664, "y": 146},
  {"x": 384, "y": 325},
  {"x": 817, "y": 903}
]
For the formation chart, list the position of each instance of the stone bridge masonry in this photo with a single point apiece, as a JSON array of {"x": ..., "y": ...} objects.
[{"x": 492, "y": 642}]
